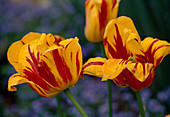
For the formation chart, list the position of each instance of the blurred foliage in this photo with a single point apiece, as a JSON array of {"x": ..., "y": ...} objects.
[{"x": 67, "y": 18}]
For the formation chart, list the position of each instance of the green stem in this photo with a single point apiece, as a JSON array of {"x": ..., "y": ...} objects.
[
  {"x": 109, "y": 91},
  {"x": 76, "y": 104},
  {"x": 59, "y": 106},
  {"x": 142, "y": 112}
]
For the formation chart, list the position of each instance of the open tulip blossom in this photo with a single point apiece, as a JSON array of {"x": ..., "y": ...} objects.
[
  {"x": 98, "y": 14},
  {"x": 47, "y": 63},
  {"x": 131, "y": 62}
]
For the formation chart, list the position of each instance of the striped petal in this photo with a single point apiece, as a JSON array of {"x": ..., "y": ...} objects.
[
  {"x": 98, "y": 14},
  {"x": 155, "y": 50},
  {"x": 116, "y": 36},
  {"x": 140, "y": 71},
  {"x": 94, "y": 67},
  {"x": 113, "y": 67},
  {"x": 128, "y": 74},
  {"x": 17, "y": 79},
  {"x": 64, "y": 61},
  {"x": 14, "y": 80},
  {"x": 14, "y": 49},
  {"x": 131, "y": 81},
  {"x": 92, "y": 27},
  {"x": 28, "y": 56}
]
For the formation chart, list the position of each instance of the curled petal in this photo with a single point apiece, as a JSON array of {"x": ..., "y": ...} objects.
[
  {"x": 113, "y": 67},
  {"x": 128, "y": 74},
  {"x": 47, "y": 41},
  {"x": 94, "y": 67},
  {"x": 17, "y": 79},
  {"x": 14, "y": 80},
  {"x": 134, "y": 83},
  {"x": 140, "y": 71},
  {"x": 116, "y": 35},
  {"x": 155, "y": 50}
]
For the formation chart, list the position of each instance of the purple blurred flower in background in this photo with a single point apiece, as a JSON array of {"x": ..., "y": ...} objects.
[{"x": 155, "y": 107}]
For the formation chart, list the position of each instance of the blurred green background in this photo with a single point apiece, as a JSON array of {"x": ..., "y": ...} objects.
[{"x": 67, "y": 18}]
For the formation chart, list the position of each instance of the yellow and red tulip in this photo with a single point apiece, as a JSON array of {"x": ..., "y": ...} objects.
[
  {"x": 131, "y": 62},
  {"x": 47, "y": 63},
  {"x": 98, "y": 14}
]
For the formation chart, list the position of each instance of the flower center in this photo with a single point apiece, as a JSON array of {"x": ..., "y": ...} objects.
[{"x": 132, "y": 59}]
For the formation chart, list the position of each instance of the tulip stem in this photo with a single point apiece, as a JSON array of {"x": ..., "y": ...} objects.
[
  {"x": 109, "y": 91},
  {"x": 142, "y": 111},
  {"x": 59, "y": 106},
  {"x": 76, "y": 104}
]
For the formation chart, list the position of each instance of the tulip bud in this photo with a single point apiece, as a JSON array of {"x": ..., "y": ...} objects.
[{"x": 98, "y": 14}]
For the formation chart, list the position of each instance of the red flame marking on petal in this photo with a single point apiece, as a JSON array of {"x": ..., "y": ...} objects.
[
  {"x": 33, "y": 74},
  {"x": 37, "y": 90},
  {"x": 149, "y": 54},
  {"x": 103, "y": 15},
  {"x": 62, "y": 68},
  {"x": 77, "y": 62},
  {"x": 46, "y": 74},
  {"x": 92, "y": 63},
  {"x": 143, "y": 65},
  {"x": 121, "y": 50},
  {"x": 114, "y": 3}
]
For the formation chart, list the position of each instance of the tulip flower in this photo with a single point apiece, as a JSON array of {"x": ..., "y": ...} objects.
[
  {"x": 47, "y": 63},
  {"x": 131, "y": 62},
  {"x": 98, "y": 14}
]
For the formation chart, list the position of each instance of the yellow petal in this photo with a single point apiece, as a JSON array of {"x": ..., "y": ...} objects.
[
  {"x": 42, "y": 92},
  {"x": 28, "y": 53},
  {"x": 134, "y": 46},
  {"x": 14, "y": 80},
  {"x": 113, "y": 67},
  {"x": 42, "y": 44},
  {"x": 14, "y": 50},
  {"x": 155, "y": 50},
  {"x": 98, "y": 14},
  {"x": 141, "y": 71},
  {"x": 116, "y": 35},
  {"x": 92, "y": 26},
  {"x": 94, "y": 67},
  {"x": 30, "y": 37},
  {"x": 18, "y": 79},
  {"x": 13, "y": 54},
  {"x": 128, "y": 74},
  {"x": 65, "y": 62}
]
